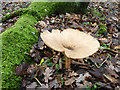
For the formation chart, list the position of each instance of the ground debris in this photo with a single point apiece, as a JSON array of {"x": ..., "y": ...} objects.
[{"x": 98, "y": 71}]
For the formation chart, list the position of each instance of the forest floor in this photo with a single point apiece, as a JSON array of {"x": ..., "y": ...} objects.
[{"x": 98, "y": 71}]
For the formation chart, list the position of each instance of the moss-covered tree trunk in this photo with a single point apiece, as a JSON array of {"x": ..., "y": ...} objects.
[{"x": 20, "y": 38}]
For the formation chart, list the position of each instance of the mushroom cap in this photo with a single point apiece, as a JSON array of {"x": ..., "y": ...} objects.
[{"x": 75, "y": 44}]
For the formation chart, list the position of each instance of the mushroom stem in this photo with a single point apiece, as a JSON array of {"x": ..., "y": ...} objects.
[{"x": 67, "y": 63}]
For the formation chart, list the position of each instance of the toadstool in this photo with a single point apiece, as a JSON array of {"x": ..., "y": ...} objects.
[{"x": 74, "y": 44}]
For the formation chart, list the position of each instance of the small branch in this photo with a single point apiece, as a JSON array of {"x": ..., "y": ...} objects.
[
  {"x": 103, "y": 62},
  {"x": 38, "y": 81},
  {"x": 113, "y": 51}
]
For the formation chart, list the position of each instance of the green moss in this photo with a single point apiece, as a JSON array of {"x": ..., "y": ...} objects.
[
  {"x": 18, "y": 12},
  {"x": 15, "y": 41},
  {"x": 42, "y": 8}
]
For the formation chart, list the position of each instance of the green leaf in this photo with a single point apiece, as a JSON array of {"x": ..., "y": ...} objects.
[
  {"x": 88, "y": 88},
  {"x": 47, "y": 60},
  {"x": 106, "y": 47},
  {"x": 62, "y": 81},
  {"x": 86, "y": 23},
  {"x": 95, "y": 86},
  {"x": 64, "y": 59},
  {"x": 97, "y": 83},
  {"x": 97, "y": 34},
  {"x": 51, "y": 58},
  {"x": 57, "y": 66},
  {"x": 61, "y": 61},
  {"x": 100, "y": 47},
  {"x": 42, "y": 60},
  {"x": 50, "y": 64},
  {"x": 100, "y": 64}
]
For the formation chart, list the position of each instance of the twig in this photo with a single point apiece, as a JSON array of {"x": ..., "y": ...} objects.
[
  {"x": 27, "y": 53},
  {"x": 113, "y": 51},
  {"x": 96, "y": 65},
  {"x": 103, "y": 62},
  {"x": 78, "y": 63},
  {"x": 38, "y": 81}
]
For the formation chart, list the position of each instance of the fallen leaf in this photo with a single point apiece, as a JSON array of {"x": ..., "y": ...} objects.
[
  {"x": 32, "y": 85},
  {"x": 95, "y": 60},
  {"x": 42, "y": 23},
  {"x": 87, "y": 84},
  {"x": 72, "y": 74},
  {"x": 118, "y": 63},
  {"x": 54, "y": 83},
  {"x": 35, "y": 53},
  {"x": 82, "y": 77},
  {"x": 40, "y": 44},
  {"x": 117, "y": 69},
  {"x": 111, "y": 72},
  {"x": 32, "y": 68},
  {"x": 21, "y": 69},
  {"x": 96, "y": 73},
  {"x": 79, "y": 85},
  {"x": 48, "y": 72},
  {"x": 94, "y": 25},
  {"x": 114, "y": 18},
  {"x": 70, "y": 81}
]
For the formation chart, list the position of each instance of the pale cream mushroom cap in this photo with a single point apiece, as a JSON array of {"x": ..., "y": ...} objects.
[
  {"x": 52, "y": 40},
  {"x": 75, "y": 44}
]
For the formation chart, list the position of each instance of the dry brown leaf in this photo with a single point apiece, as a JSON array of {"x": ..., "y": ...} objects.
[
  {"x": 42, "y": 23},
  {"x": 86, "y": 83},
  {"x": 32, "y": 85},
  {"x": 54, "y": 83},
  {"x": 94, "y": 25},
  {"x": 21, "y": 69},
  {"x": 40, "y": 44},
  {"x": 32, "y": 68},
  {"x": 70, "y": 81},
  {"x": 82, "y": 77},
  {"x": 72, "y": 74},
  {"x": 114, "y": 18},
  {"x": 48, "y": 72},
  {"x": 111, "y": 72}
]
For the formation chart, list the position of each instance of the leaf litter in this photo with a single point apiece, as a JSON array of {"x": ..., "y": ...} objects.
[{"x": 98, "y": 71}]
